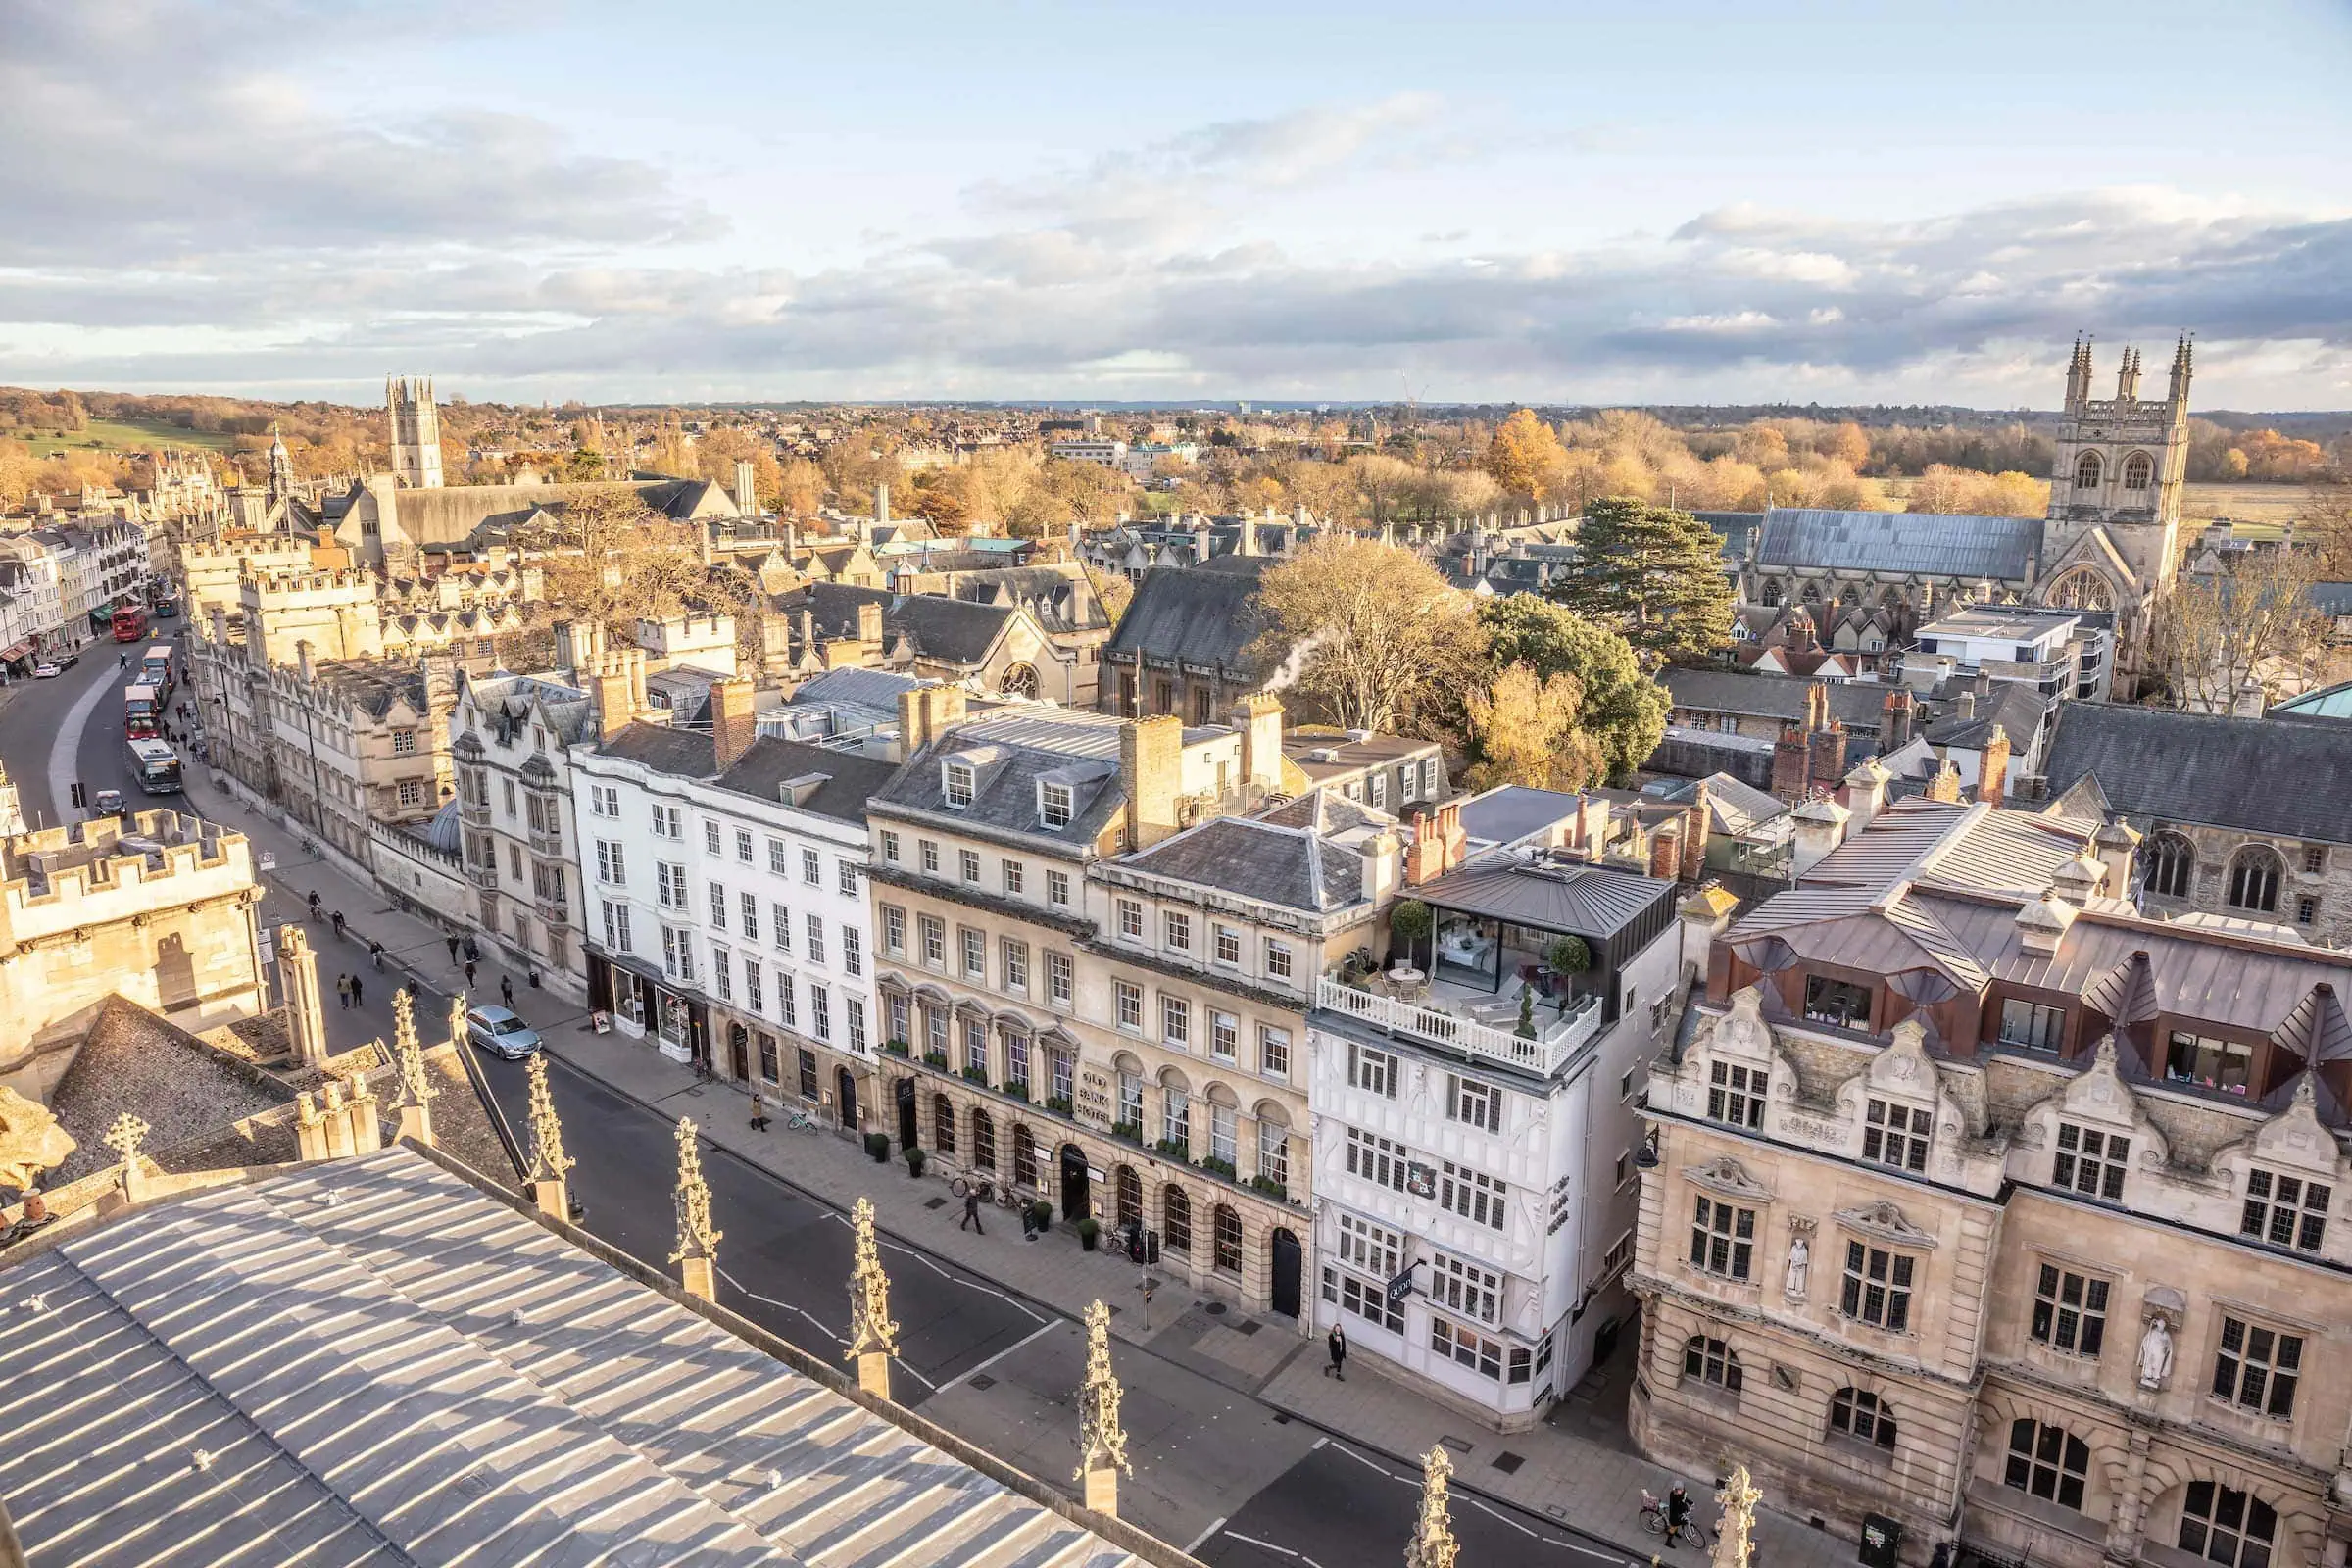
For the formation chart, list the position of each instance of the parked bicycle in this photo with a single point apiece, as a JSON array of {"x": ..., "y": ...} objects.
[
  {"x": 1654, "y": 1520},
  {"x": 800, "y": 1121}
]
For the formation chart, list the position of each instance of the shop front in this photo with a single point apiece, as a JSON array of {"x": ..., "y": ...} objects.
[{"x": 642, "y": 1004}]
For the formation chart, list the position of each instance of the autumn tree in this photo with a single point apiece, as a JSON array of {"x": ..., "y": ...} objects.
[
  {"x": 1652, "y": 574},
  {"x": 1526, "y": 458},
  {"x": 717, "y": 453},
  {"x": 1525, "y": 729},
  {"x": 1372, "y": 636},
  {"x": 2214, "y": 634},
  {"x": 606, "y": 557},
  {"x": 800, "y": 488},
  {"x": 1620, "y": 708},
  {"x": 2324, "y": 522}
]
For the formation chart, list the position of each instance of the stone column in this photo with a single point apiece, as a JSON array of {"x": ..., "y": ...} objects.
[
  {"x": 873, "y": 1336},
  {"x": 697, "y": 1255},
  {"x": 416, "y": 1090},
  {"x": 550, "y": 1188},
  {"x": 1432, "y": 1545},
  {"x": 1102, "y": 1439},
  {"x": 298, "y": 983}
]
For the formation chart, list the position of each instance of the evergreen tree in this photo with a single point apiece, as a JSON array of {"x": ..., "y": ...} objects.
[
  {"x": 1654, "y": 573},
  {"x": 1624, "y": 709}
]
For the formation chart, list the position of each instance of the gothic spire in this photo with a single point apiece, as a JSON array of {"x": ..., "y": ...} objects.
[
  {"x": 1735, "y": 1537},
  {"x": 1432, "y": 1545},
  {"x": 1102, "y": 1439}
]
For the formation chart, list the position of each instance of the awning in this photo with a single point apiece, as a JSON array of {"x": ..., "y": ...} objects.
[{"x": 17, "y": 650}]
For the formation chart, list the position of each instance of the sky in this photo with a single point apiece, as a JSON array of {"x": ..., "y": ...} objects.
[{"x": 1677, "y": 201}]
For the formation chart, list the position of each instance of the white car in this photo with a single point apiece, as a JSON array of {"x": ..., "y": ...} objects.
[{"x": 46, "y": 671}]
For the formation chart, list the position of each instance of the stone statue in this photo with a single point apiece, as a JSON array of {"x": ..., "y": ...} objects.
[
  {"x": 30, "y": 1140},
  {"x": 1800, "y": 1268},
  {"x": 2156, "y": 1354}
]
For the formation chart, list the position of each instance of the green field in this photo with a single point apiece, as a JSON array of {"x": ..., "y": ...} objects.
[{"x": 128, "y": 435}]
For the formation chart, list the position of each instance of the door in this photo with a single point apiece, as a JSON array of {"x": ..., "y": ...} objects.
[
  {"x": 845, "y": 1095},
  {"x": 908, "y": 1134},
  {"x": 1077, "y": 1201},
  {"x": 1289, "y": 1265},
  {"x": 739, "y": 1052}
]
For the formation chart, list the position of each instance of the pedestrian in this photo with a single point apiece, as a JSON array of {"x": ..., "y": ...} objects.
[
  {"x": 971, "y": 1208},
  {"x": 469, "y": 974},
  {"x": 505, "y": 989},
  {"x": 343, "y": 991},
  {"x": 314, "y": 906},
  {"x": 375, "y": 953},
  {"x": 453, "y": 949},
  {"x": 758, "y": 1112},
  {"x": 356, "y": 996},
  {"x": 338, "y": 925},
  {"x": 1337, "y": 1344},
  {"x": 473, "y": 951}
]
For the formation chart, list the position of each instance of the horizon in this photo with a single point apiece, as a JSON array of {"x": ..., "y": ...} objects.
[{"x": 1555, "y": 206}]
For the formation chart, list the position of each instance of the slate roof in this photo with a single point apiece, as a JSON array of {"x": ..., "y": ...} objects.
[
  {"x": 1928, "y": 544},
  {"x": 1861, "y": 705},
  {"x": 953, "y": 631},
  {"x": 1292, "y": 866},
  {"x": 849, "y": 779},
  {"x": 2016, "y": 707},
  {"x": 372, "y": 1361},
  {"x": 1197, "y": 617},
  {"x": 1592, "y": 900},
  {"x": 659, "y": 749},
  {"x": 2275, "y": 775},
  {"x": 1012, "y": 751}
]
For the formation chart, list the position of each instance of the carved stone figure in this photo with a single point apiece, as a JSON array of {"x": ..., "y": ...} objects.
[
  {"x": 1801, "y": 1267},
  {"x": 2156, "y": 1354},
  {"x": 30, "y": 1140}
]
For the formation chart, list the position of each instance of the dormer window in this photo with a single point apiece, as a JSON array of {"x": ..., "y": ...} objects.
[
  {"x": 1054, "y": 804},
  {"x": 956, "y": 779}
]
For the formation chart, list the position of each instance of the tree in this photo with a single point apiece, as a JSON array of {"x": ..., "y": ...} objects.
[
  {"x": 1371, "y": 636},
  {"x": 1624, "y": 710},
  {"x": 1653, "y": 573},
  {"x": 2214, "y": 634},
  {"x": 606, "y": 557},
  {"x": 1526, "y": 458},
  {"x": 1525, "y": 731},
  {"x": 800, "y": 488},
  {"x": 2325, "y": 521}
]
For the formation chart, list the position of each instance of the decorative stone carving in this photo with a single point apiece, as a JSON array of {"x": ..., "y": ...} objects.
[
  {"x": 1800, "y": 1268},
  {"x": 2156, "y": 1354},
  {"x": 30, "y": 1140},
  {"x": 1728, "y": 1178},
  {"x": 1884, "y": 1221}
]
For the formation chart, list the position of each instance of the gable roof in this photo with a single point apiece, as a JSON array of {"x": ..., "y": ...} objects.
[
  {"x": 953, "y": 631},
  {"x": 1193, "y": 616},
  {"x": 2259, "y": 776},
  {"x": 659, "y": 749},
  {"x": 1860, "y": 704},
  {"x": 1929, "y": 544},
  {"x": 850, "y": 780}
]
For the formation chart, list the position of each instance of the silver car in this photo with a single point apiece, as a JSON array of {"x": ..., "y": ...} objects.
[{"x": 497, "y": 1031}]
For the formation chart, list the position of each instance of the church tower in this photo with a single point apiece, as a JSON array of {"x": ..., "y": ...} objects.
[
  {"x": 281, "y": 468},
  {"x": 415, "y": 431},
  {"x": 2121, "y": 465}
]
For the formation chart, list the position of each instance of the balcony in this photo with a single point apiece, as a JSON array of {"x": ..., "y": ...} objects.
[
  {"x": 475, "y": 813},
  {"x": 553, "y": 912},
  {"x": 483, "y": 876},
  {"x": 1473, "y": 1023},
  {"x": 549, "y": 842}
]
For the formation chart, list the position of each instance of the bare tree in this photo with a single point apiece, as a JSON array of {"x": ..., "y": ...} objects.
[
  {"x": 608, "y": 556},
  {"x": 1371, "y": 636},
  {"x": 2254, "y": 629}
]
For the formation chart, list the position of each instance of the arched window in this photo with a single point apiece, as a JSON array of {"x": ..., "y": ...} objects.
[
  {"x": 1024, "y": 1154},
  {"x": 1227, "y": 1226},
  {"x": 1771, "y": 590},
  {"x": 2172, "y": 865},
  {"x": 1019, "y": 681},
  {"x": 984, "y": 1141},
  {"x": 2222, "y": 1524},
  {"x": 2086, "y": 471},
  {"x": 1859, "y": 1414},
  {"x": 2081, "y": 589},
  {"x": 1711, "y": 1361},
  {"x": 2138, "y": 470},
  {"x": 943, "y": 1125},
  {"x": 1128, "y": 1190},
  {"x": 2050, "y": 1462},
  {"x": 1176, "y": 1219},
  {"x": 2254, "y": 879},
  {"x": 1812, "y": 594}
]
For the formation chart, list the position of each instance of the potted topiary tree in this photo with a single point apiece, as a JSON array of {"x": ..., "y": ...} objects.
[
  {"x": 915, "y": 1160},
  {"x": 1090, "y": 1229},
  {"x": 1409, "y": 925},
  {"x": 877, "y": 1144},
  {"x": 1567, "y": 958},
  {"x": 1527, "y": 1015}
]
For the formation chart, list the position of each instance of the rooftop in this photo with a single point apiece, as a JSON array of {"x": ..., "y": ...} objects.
[
  {"x": 1930, "y": 544},
  {"x": 2161, "y": 765}
]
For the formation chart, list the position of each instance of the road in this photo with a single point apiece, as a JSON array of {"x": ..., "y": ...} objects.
[{"x": 1214, "y": 1470}]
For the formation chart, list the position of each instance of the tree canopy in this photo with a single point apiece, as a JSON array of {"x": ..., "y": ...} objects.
[
  {"x": 1653, "y": 573},
  {"x": 1620, "y": 709},
  {"x": 1369, "y": 634},
  {"x": 1527, "y": 730},
  {"x": 1526, "y": 458}
]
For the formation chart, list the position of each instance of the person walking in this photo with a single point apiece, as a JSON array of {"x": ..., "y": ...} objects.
[
  {"x": 375, "y": 954},
  {"x": 1337, "y": 1344},
  {"x": 469, "y": 974},
  {"x": 473, "y": 951},
  {"x": 971, "y": 1210},
  {"x": 1678, "y": 1513},
  {"x": 338, "y": 925},
  {"x": 505, "y": 989},
  {"x": 453, "y": 949},
  {"x": 313, "y": 901},
  {"x": 343, "y": 991},
  {"x": 356, "y": 994},
  {"x": 758, "y": 1112}
]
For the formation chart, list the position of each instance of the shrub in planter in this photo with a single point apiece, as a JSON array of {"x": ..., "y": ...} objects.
[
  {"x": 897, "y": 1047},
  {"x": 1221, "y": 1167},
  {"x": 1410, "y": 923},
  {"x": 935, "y": 1059},
  {"x": 1128, "y": 1130},
  {"x": 1173, "y": 1150},
  {"x": 1568, "y": 956},
  {"x": 1273, "y": 1189},
  {"x": 976, "y": 1075},
  {"x": 878, "y": 1145},
  {"x": 1527, "y": 1015},
  {"x": 915, "y": 1160},
  {"x": 1042, "y": 1213},
  {"x": 1060, "y": 1105},
  {"x": 1090, "y": 1230}
]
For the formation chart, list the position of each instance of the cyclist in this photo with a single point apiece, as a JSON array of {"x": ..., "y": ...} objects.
[{"x": 1678, "y": 1513}]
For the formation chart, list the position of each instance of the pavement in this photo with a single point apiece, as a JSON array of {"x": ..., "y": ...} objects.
[{"x": 1244, "y": 1451}]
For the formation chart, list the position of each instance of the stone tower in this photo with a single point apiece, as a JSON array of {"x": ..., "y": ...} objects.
[
  {"x": 415, "y": 431},
  {"x": 281, "y": 468},
  {"x": 2120, "y": 468}
]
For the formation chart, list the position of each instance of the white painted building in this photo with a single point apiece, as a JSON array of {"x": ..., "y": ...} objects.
[
  {"x": 726, "y": 910},
  {"x": 1476, "y": 1173}
]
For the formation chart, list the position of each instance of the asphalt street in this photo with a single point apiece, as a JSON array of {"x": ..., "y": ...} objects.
[{"x": 1215, "y": 1470}]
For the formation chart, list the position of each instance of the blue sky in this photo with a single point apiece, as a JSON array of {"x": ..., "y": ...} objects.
[{"x": 1668, "y": 202}]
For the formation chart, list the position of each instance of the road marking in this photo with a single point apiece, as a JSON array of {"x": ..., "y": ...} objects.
[
  {"x": 1038, "y": 1333},
  {"x": 951, "y": 1276},
  {"x": 821, "y": 1327},
  {"x": 1262, "y": 1545},
  {"x": 1319, "y": 1441},
  {"x": 1215, "y": 1526},
  {"x": 1492, "y": 1514},
  {"x": 62, "y": 757}
]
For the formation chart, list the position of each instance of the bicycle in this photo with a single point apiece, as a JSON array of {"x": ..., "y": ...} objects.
[
  {"x": 1654, "y": 1520},
  {"x": 800, "y": 1121},
  {"x": 963, "y": 1185}
]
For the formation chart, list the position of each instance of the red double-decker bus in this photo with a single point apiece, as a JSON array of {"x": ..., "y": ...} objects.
[
  {"x": 142, "y": 711},
  {"x": 131, "y": 621}
]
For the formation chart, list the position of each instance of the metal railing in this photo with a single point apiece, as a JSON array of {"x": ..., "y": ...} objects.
[{"x": 1559, "y": 1036}]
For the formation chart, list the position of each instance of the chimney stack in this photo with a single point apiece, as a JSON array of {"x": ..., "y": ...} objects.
[
  {"x": 1945, "y": 785},
  {"x": 869, "y": 624},
  {"x": 747, "y": 494},
  {"x": 881, "y": 506},
  {"x": 1695, "y": 828},
  {"x": 614, "y": 706},
  {"x": 927, "y": 713},
  {"x": 1259, "y": 716},
  {"x": 1992, "y": 781},
  {"x": 733, "y": 727},
  {"x": 1151, "y": 771}
]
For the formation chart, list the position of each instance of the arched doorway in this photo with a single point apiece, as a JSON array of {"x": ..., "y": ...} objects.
[
  {"x": 846, "y": 1092},
  {"x": 909, "y": 1136},
  {"x": 1077, "y": 1196},
  {"x": 739, "y": 1052},
  {"x": 1289, "y": 1265}
]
